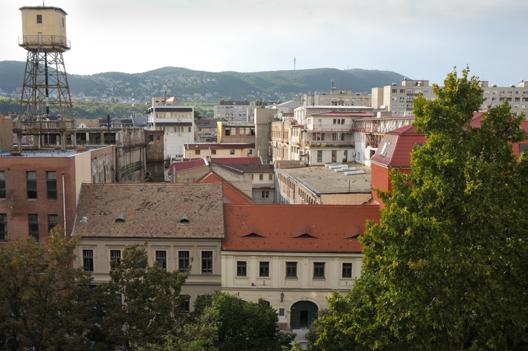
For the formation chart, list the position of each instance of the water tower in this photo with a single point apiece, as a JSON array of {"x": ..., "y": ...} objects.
[{"x": 45, "y": 91}]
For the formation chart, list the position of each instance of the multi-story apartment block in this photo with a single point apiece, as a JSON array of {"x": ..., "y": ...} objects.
[
  {"x": 180, "y": 225},
  {"x": 229, "y": 110},
  {"x": 336, "y": 98},
  {"x": 293, "y": 256},
  {"x": 40, "y": 189},
  {"x": 235, "y": 132},
  {"x": 515, "y": 96},
  {"x": 399, "y": 99},
  {"x": 176, "y": 121}
]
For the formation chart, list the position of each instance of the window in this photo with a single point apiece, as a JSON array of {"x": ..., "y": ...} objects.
[
  {"x": 161, "y": 258},
  {"x": 183, "y": 261},
  {"x": 232, "y": 152},
  {"x": 207, "y": 261},
  {"x": 334, "y": 155},
  {"x": 228, "y": 131},
  {"x": 346, "y": 271},
  {"x": 53, "y": 220},
  {"x": 33, "y": 226},
  {"x": 241, "y": 268},
  {"x": 51, "y": 182},
  {"x": 270, "y": 176},
  {"x": 39, "y": 19},
  {"x": 2, "y": 185},
  {"x": 334, "y": 136},
  {"x": 88, "y": 261},
  {"x": 185, "y": 303},
  {"x": 291, "y": 269},
  {"x": 213, "y": 151},
  {"x": 319, "y": 155},
  {"x": 115, "y": 256},
  {"x": 281, "y": 311},
  {"x": 31, "y": 184},
  {"x": 342, "y": 136},
  {"x": 319, "y": 270},
  {"x": 345, "y": 155},
  {"x": 197, "y": 151},
  {"x": 264, "y": 269},
  {"x": 265, "y": 194},
  {"x": 151, "y": 138},
  {"x": 3, "y": 226},
  {"x": 261, "y": 176}
]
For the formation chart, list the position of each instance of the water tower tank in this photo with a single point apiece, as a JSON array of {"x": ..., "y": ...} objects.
[{"x": 44, "y": 29}]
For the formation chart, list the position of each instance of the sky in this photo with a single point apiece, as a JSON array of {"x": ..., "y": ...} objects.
[{"x": 421, "y": 39}]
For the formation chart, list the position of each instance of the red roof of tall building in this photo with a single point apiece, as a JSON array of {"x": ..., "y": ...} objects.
[
  {"x": 232, "y": 195},
  {"x": 395, "y": 148},
  {"x": 296, "y": 228}
]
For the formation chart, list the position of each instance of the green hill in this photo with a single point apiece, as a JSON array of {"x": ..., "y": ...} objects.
[{"x": 206, "y": 86}]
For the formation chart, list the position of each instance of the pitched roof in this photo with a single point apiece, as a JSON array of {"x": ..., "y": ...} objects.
[
  {"x": 296, "y": 228},
  {"x": 236, "y": 160},
  {"x": 150, "y": 210},
  {"x": 193, "y": 163},
  {"x": 230, "y": 193},
  {"x": 396, "y": 147},
  {"x": 248, "y": 168}
]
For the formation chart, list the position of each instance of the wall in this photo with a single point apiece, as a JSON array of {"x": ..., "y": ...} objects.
[
  {"x": 345, "y": 199},
  {"x": 6, "y": 134},
  {"x": 237, "y": 152},
  {"x": 305, "y": 287},
  {"x": 196, "y": 283},
  {"x": 242, "y": 181},
  {"x": 263, "y": 119},
  {"x": 16, "y": 204},
  {"x": 190, "y": 175},
  {"x": 103, "y": 165},
  {"x": 52, "y": 24}
]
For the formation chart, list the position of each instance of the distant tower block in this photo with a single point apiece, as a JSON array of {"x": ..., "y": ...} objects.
[{"x": 45, "y": 91}]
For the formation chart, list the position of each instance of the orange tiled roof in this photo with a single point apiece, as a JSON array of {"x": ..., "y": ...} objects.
[{"x": 296, "y": 228}]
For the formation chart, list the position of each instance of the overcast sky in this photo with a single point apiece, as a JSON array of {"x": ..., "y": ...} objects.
[{"x": 422, "y": 39}]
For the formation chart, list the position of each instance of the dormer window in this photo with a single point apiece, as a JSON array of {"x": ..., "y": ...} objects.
[
  {"x": 39, "y": 19},
  {"x": 184, "y": 219},
  {"x": 120, "y": 218},
  {"x": 305, "y": 236},
  {"x": 384, "y": 149}
]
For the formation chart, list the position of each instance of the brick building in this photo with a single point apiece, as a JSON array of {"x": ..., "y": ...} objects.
[{"x": 40, "y": 189}]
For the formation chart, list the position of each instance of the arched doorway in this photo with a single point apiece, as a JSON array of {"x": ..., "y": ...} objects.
[{"x": 302, "y": 314}]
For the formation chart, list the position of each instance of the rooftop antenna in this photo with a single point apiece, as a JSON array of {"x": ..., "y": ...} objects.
[{"x": 294, "y": 63}]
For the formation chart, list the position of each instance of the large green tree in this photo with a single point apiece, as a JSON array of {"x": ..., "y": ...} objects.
[
  {"x": 42, "y": 304},
  {"x": 446, "y": 267}
]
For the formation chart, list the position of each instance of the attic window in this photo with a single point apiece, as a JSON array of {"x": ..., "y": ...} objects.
[
  {"x": 184, "y": 219},
  {"x": 252, "y": 235},
  {"x": 384, "y": 148},
  {"x": 305, "y": 236},
  {"x": 120, "y": 218}
]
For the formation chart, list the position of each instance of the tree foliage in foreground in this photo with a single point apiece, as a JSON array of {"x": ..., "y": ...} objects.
[
  {"x": 46, "y": 304},
  {"x": 446, "y": 267}
]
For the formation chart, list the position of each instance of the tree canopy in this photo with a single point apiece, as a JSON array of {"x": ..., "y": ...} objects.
[{"x": 445, "y": 269}]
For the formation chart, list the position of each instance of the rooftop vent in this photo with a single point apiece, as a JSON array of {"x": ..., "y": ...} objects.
[
  {"x": 184, "y": 219},
  {"x": 120, "y": 218},
  {"x": 350, "y": 173}
]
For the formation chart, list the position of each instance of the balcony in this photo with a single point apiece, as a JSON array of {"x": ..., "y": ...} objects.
[
  {"x": 45, "y": 42},
  {"x": 38, "y": 127}
]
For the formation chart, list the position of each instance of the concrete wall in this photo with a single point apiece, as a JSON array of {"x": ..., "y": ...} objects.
[
  {"x": 103, "y": 165},
  {"x": 242, "y": 181},
  {"x": 303, "y": 288},
  {"x": 83, "y": 172},
  {"x": 197, "y": 283},
  {"x": 53, "y": 23},
  {"x": 263, "y": 119},
  {"x": 6, "y": 134}
]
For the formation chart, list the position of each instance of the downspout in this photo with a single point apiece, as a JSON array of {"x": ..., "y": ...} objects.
[{"x": 64, "y": 205}]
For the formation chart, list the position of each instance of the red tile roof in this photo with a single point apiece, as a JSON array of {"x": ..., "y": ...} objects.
[
  {"x": 399, "y": 144},
  {"x": 296, "y": 228},
  {"x": 195, "y": 162},
  {"x": 401, "y": 141},
  {"x": 231, "y": 194},
  {"x": 236, "y": 160}
]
